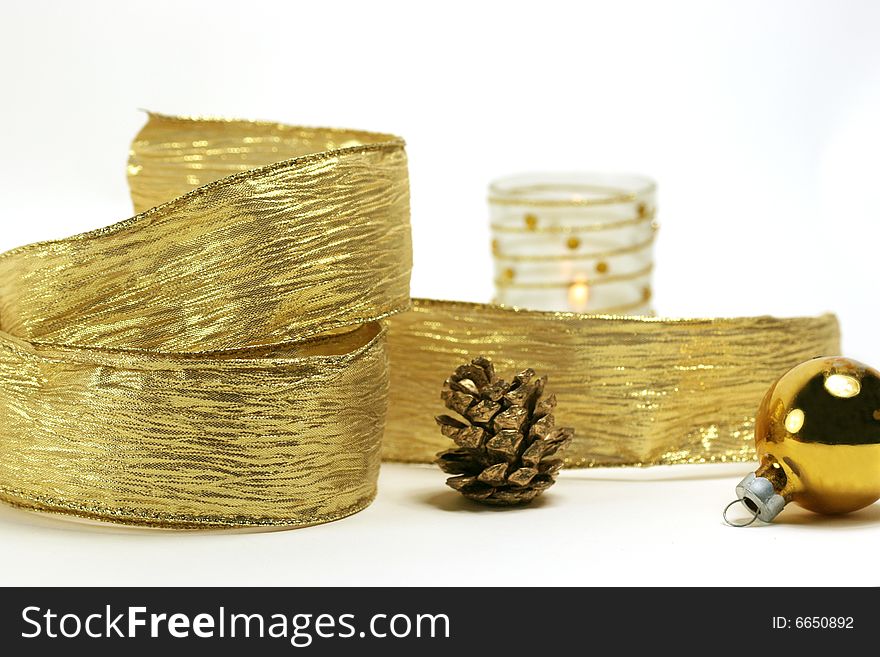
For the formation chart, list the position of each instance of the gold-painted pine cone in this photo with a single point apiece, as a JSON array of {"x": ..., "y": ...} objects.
[{"x": 507, "y": 443}]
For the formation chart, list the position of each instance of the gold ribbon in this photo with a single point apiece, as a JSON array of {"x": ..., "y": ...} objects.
[
  {"x": 220, "y": 359},
  {"x": 637, "y": 390}
]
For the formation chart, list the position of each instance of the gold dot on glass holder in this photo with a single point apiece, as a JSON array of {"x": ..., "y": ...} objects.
[
  {"x": 531, "y": 221},
  {"x": 508, "y": 274},
  {"x": 646, "y": 293},
  {"x": 602, "y": 267},
  {"x": 573, "y": 243},
  {"x": 642, "y": 210},
  {"x": 495, "y": 248}
]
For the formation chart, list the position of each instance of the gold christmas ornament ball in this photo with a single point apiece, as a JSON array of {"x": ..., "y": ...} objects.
[{"x": 817, "y": 434}]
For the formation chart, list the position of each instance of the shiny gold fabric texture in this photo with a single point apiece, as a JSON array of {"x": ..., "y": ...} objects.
[
  {"x": 220, "y": 359},
  {"x": 216, "y": 360},
  {"x": 638, "y": 391}
]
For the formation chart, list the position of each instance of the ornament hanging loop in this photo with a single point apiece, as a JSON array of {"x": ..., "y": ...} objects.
[{"x": 740, "y": 524}]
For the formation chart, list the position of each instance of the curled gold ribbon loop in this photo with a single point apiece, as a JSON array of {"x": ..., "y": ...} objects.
[{"x": 220, "y": 359}]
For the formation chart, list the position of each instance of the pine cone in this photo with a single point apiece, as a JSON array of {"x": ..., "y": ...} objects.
[{"x": 506, "y": 446}]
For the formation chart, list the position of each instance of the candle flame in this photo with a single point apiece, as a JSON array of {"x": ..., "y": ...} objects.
[{"x": 578, "y": 295}]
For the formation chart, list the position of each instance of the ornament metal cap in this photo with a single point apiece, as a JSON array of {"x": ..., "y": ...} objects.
[{"x": 759, "y": 496}]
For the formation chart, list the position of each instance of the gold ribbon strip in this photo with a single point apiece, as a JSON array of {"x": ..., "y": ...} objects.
[
  {"x": 220, "y": 359},
  {"x": 637, "y": 390}
]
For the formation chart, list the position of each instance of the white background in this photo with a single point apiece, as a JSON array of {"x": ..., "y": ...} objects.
[{"x": 759, "y": 120}]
